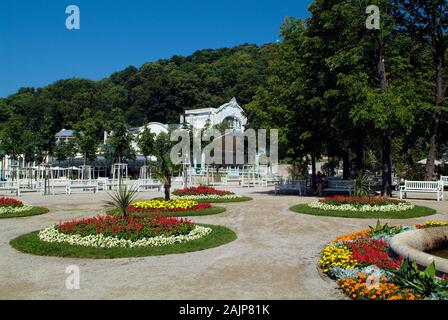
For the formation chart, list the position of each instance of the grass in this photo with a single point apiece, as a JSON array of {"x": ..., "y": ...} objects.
[
  {"x": 34, "y": 211},
  {"x": 206, "y": 212},
  {"x": 30, "y": 243},
  {"x": 418, "y": 211}
]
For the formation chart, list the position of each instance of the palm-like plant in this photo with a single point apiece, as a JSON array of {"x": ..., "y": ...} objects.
[
  {"x": 362, "y": 185},
  {"x": 122, "y": 198}
]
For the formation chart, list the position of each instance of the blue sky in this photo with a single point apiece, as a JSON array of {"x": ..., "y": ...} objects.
[{"x": 37, "y": 49}]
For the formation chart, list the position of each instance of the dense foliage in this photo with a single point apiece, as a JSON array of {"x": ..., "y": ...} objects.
[{"x": 375, "y": 99}]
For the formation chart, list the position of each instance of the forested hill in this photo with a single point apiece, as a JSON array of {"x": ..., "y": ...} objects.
[{"x": 157, "y": 91}]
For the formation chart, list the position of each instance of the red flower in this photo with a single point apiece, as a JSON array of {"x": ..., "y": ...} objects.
[
  {"x": 10, "y": 202},
  {"x": 370, "y": 251},
  {"x": 201, "y": 190}
]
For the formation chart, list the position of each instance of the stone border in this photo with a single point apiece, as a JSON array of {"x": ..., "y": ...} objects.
[{"x": 413, "y": 245}]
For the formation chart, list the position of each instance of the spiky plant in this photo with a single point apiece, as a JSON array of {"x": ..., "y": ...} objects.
[
  {"x": 362, "y": 185},
  {"x": 122, "y": 198}
]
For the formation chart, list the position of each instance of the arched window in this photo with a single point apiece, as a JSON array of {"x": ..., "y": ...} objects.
[{"x": 232, "y": 123}]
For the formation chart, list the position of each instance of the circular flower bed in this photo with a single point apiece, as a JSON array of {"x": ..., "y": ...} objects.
[
  {"x": 209, "y": 194},
  {"x": 132, "y": 232},
  {"x": 364, "y": 268},
  {"x": 115, "y": 237},
  {"x": 156, "y": 205},
  {"x": 175, "y": 207},
  {"x": 361, "y": 204},
  {"x": 10, "y": 208},
  {"x": 363, "y": 207}
]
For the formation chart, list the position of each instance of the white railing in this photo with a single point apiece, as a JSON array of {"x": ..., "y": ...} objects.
[
  {"x": 148, "y": 184},
  {"x": 10, "y": 186},
  {"x": 82, "y": 184}
]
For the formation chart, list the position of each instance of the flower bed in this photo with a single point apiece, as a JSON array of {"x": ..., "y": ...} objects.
[
  {"x": 132, "y": 232},
  {"x": 10, "y": 207},
  {"x": 206, "y": 193},
  {"x": 364, "y": 268},
  {"x": 175, "y": 205},
  {"x": 361, "y": 204},
  {"x": 201, "y": 190}
]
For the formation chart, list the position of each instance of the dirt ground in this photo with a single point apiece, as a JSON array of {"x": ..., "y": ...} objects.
[{"x": 274, "y": 257}]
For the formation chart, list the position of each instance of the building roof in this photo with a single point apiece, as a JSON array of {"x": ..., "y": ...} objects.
[{"x": 64, "y": 133}]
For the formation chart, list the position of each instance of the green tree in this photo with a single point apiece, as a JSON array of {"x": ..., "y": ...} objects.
[
  {"x": 87, "y": 136},
  {"x": 120, "y": 140},
  {"x": 163, "y": 168},
  {"x": 146, "y": 142},
  {"x": 426, "y": 21}
]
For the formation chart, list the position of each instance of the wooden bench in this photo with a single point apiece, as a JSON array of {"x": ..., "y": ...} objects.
[
  {"x": 82, "y": 184},
  {"x": 422, "y": 187},
  {"x": 340, "y": 186},
  {"x": 148, "y": 184},
  {"x": 12, "y": 186},
  {"x": 288, "y": 186},
  {"x": 444, "y": 179}
]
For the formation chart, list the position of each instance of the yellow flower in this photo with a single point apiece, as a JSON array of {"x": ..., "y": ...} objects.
[{"x": 165, "y": 205}]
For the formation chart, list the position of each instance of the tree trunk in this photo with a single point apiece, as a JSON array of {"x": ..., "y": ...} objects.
[
  {"x": 346, "y": 165},
  {"x": 359, "y": 157},
  {"x": 386, "y": 189},
  {"x": 313, "y": 173},
  {"x": 167, "y": 187},
  {"x": 435, "y": 130}
]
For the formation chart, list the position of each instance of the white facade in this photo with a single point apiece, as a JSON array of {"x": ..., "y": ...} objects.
[{"x": 230, "y": 112}]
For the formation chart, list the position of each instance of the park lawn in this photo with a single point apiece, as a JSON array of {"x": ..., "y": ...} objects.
[
  {"x": 30, "y": 243},
  {"x": 34, "y": 211},
  {"x": 418, "y": 211},
  {"x": 194, "y": 213}
]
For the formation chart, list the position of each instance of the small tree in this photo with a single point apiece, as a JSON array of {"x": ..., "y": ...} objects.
[
  {"x": 163, "y": 168},
  {"x": 87, "y": 136},
  {"x": 120, "y": 141},
  {"x": 146, "y": 142}
]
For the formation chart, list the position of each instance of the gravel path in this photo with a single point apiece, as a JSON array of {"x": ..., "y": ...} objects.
[{"x": 274, "y": 256}]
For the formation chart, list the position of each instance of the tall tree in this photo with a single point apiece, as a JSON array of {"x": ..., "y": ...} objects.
[
  {"x": 427, "y": 22},
  {"x": 120, "y": 140},
  {"x": 146, "y": 142},
  {"x": 87, "y": 136}
]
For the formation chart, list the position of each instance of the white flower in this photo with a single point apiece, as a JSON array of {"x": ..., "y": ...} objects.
[
  {"x": 402, "y": 206},
  {"x": 53, "y": 235},
  {"x": 9, "y": 210}
]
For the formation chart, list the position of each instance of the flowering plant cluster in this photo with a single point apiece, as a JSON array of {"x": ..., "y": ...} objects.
[
  {"x": 431, "y": 224},
  {"x": 53, "y": 235},
  {"x": 131, "y": 228},
  {"x": 10, "y": 203},
  {"x": 130, "y": 232},
  {"x": 361, "y": 204},
  {"x": 175, "y": 205},
  {"x": 364, "y": 269},
  {"x": 371, "y": 201},
  {"x": 201, "y": 191},
  {"x": 359, "y": 288}
]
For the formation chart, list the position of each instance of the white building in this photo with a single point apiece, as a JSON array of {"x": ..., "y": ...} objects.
[{"x": 230, "y": 112}]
